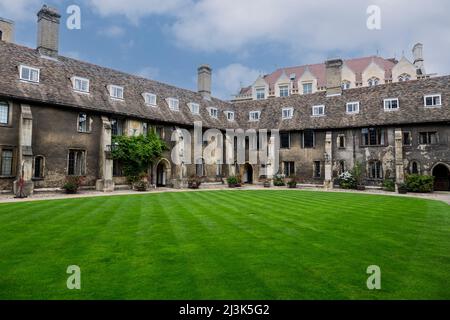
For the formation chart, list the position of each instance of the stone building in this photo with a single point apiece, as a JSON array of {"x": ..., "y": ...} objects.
[{"x": 57, "y": 117}]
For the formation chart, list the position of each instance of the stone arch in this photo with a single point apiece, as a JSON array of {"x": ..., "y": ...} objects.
[
  {"x": 162, "y": 173},
  {"x": 441, "y": 173},
  {"x": 248, "y": 173}
]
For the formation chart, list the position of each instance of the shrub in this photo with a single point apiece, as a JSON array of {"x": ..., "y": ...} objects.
[
  {"x": 234, "y": 181},
  {"x": 402, "y": 188},
  {"x": 357, "y": 174},
  {"x": 346, "y": 180},
  {"x": 141, "y": 185},
  {"x": 420, "y": 183},
  {"x": 278, "y": 181},
  {"x": 292, "y": 183},
  {"x": 194, "y": 182},
  {"x": 72, "y": 184},
  {"x": 389, "y": 185}
]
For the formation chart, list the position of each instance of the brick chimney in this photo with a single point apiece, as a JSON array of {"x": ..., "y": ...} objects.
[
  {"x": 6, "y": 30},
  {"x": 334, "y": 76},
  {"x": 204, "y": 81},
  {"x": 48, "y": 31}
]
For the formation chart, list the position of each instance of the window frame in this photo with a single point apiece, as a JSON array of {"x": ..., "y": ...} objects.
[
  {"x": 380, "y": 137},
  {"x": 318, "y": 107},
  {"x": 432, "y": 96},
  {"x": 354, "y": 103},
  {"x": 428, "y": 138},
  {"x": 291, "y": 113},
  {"x": 227, "y": 113},
  {"x": 147, "y": 101},
  {"x": 81, "y": 79},
  {"x": 307, "y": 84},
  {"x": 341, "y": 138},
  {"x": 213, "y": 113},
  {"x": 8, "y": 113},
  {"x": 313, "y": 136},
  {"x": 88, "y": 123},
  {"x": 288, "y": 133},
  {"x": 289, "y": 168},
  {"x": 285, "y": 89},
  {"x": 41, "y": 169},
  {"x": 83, "y": 168},
  {"x": 194, "y": 107},
  {"x": 112, "y": 88},
  {"x": 258, "y": 90},
  {"x": 173, "y": 103},
  {"x": 253, "y": 119},
  {"x": 378, "y": 170},
  {"x": 22, "y": 66},
  {"x": 390, "y": 108},
  {"x": 12, "y": 171},
  {"x": 317, "y": 165},
  {"x": 409, "y": 138}
]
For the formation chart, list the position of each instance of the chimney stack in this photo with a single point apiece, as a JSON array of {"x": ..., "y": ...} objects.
[
  {"x": 204, "y": 81},
  {"x": 6, "y": 30},
  {"x": 48, "y": 31},
  {"x": 418, "y": 58},
  {"x": 334, "y": 76}
]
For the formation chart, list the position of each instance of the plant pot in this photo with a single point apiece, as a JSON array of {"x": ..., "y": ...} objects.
[
  {"x": 360, "y": 188},
  {"x": 402, "y": 191},
  {"x": 266, "y": 184}
]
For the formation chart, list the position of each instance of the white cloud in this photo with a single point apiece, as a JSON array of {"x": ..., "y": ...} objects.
[
  {"x": 112, "y": 32},
  {"x": 228, "y": 80},
  {"x": 148, "y": 72},
  {"x": 19, "y": 10}
]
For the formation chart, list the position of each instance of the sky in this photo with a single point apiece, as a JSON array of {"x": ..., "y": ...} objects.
[{"x": 166, "y": 40}]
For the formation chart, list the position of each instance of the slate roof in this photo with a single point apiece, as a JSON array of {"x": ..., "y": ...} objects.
[{"x": 55, "y": 88}]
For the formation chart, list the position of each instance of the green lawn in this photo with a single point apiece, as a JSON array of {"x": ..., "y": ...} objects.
[{"x": 226, "y": 245}]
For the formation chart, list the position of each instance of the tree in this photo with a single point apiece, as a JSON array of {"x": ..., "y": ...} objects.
[{"x": 137, "y": 153}]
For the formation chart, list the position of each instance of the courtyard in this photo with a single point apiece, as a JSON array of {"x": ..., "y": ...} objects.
[{"x": 242, "y": 244}]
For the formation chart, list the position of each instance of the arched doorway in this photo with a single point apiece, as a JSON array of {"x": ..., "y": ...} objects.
[
  {"x": 441, "y": 175},
  {"x": 248, "y": 173},
  {"x": 162, "y": 174}
]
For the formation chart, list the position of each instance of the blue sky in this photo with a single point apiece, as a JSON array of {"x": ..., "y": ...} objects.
[{"x": 167, "y": 40}]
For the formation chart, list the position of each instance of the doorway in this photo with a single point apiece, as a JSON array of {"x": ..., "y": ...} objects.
[{"x": 441, "y": 175}]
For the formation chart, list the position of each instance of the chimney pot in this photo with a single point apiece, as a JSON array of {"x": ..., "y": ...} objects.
[
  {"x": 48, "y": 31},
  {"x": 204, "y": 81}
]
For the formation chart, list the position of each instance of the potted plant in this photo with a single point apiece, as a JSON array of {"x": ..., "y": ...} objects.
[
  {"x": 141, "y": 186},
  {"x": 267, "y": 183},
  {"x": 292, "y": 183},
  {"x": 72, "y": 184},
  {"x": 279, "y": 181},
  {"x": 194, "y": 182},
  {"x": 234, "y": 182},
  {"x": 402, "y": 188},
  {"x": 346, "y": 180}
]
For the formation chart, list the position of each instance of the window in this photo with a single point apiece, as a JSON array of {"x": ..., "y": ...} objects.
[
  {"x": 150, "y": 99},
  {"x": 292, "y": 76},
  {"x": 317, "y": 171},
  {"x": 116, "y": 127},
  {"x": 428, "y": 138},
  {"x": 7, "y": 163},
  {"x": 341, "y": 141},
  {"x": 404, "y": 77},
  {"x": 117, "y": 169},
  {"x": 285, "y": 140},
  {"x": 407, "y": 138},
  {"x": 38, "y": 167},
  {"x": 77, "y": 163},
  {"x": 372, "y": 136},
  {"x": 254, "y": 115},
  {"x": 4, "y": 113},
  {"x": 80, "y": 84},
  {"x": 116, "y": 92},
  {"x": 200, "y": 168},
  {"x": 341, "y": 169},
  {"x": 284, "y": 91},
  {"x": 160, "y": 132},
  {"x": 391, "y": 104},
  {"x": 213, "y": 112},
  {"x": 83, "y": 122},
  {"x": 194, "y": 107},
  {"x": 218, "y": 170},
  {"x": 287, "y": 113},
  {"x": 318, "y": 110},
  {"x": 260, "y": 93},
  {"x": 414, "y": 167},
  {"x": 289, "y": 168},
  {"x": 308, "y": 139},
  {"x": 173, "y": 103},
  {"x": 375, "y": 170},
  {"x": 345, "y": 85},
  {"x": 230, "y": 115},
  {"x": 307, "y": 88},
  {"x": 373, "y": 82},
  {"x": 144, "y": 128},
  {"x": 432, "y": 100},
  {"x": 29, "y": 74},
  {"x": 352, "y": 107}
]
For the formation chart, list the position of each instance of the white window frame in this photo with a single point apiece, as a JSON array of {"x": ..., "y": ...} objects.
[
  {"x": 148, "y": 97},
  {"x": 8, "y": 115},
  {"x": 213, "y": 113},
  {"x": 372, "y": 82},
  {"x": 303, "y": 87},
  {"x": 81, "y": 80},
  {"x": 228, "y": 114},
  {"x": 284, "y": 86},
  {"x": 289, "y": 115},
  {"x": 30, "y": 79},
  {"x": 115, "y": 89},
  {"x": 259, "y": 90},
  {"x": 389, "y": 107},
  {"x": 173, "y": 103},
  {"x": 194, "y": 107},
  {"x": 353, "y": 103},
  {"x": 346, "y": 85},
  {"x": 254, "y": 115},
  {"x": 318, "y": 107},
  {"x": 432, "y": 105}
]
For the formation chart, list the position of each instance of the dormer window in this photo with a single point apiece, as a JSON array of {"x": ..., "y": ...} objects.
[
  {"x": 194, "y": 107},
  {"x": 284, "y": 91},
  {"x": 80, "y": 84},
  {"x": 433, "y": 100},
  {"x": 174, "y": 104},
  {"x": 260, "y": 93},
  {"x": 116, "y": 92},
  {"x": 287, "y": 113},
  {"x": 29, "y": 74},
  {"x": 318, "y": 111},
  {"x": 307, "y": 88},
  {"x": 404, "y": 77},
  {"x": 345, "y": 85},
  {"x": 213, "y": 112},
  {"x": 292, "y": 76},
  {"x": 150, "y": 98},
  {"x": 391, "y": 104},
  {"x": 373, "y": 82},
  {"x": 352, "y": 107},
  {"x": 254, "y": 115},
  {"x": 229, "y": 115}
]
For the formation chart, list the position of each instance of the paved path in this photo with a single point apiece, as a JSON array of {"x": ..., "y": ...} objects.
[{"x": 440, "y": 196}]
